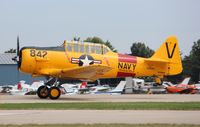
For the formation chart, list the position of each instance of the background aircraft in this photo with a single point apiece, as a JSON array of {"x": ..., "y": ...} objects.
[
  {"x": 183, "y": 87},
  {"x": 117, "y": 90},
  {"x": 91, "y": 61}
]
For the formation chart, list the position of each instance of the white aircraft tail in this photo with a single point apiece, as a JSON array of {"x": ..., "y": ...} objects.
[
  {"x": 119, "y": 87},
  {"x": 186, "y": 80}
]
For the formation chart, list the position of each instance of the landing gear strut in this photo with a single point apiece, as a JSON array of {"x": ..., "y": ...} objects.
[
  {"x": 50, "y": 89},
  {"x": 158, "y": 80}
]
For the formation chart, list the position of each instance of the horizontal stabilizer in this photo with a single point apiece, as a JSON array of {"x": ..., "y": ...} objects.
[{"x": 156, "y": 60}]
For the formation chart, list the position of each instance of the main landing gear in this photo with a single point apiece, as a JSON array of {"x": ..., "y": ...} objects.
[{"x": 49, "y": 90}]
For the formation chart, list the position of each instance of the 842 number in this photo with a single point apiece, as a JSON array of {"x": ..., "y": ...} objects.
[{"x": 39, "y": 53}]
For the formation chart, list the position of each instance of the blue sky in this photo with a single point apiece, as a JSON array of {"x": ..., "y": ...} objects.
[{"x": 122, "y": 22}]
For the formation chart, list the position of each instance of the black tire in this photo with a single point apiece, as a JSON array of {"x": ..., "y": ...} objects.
[
  {"x": 43, "y": 92},
  {"x": 54, "y": 93}
]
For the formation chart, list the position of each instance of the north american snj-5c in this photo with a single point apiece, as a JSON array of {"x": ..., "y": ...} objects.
[{"x": 91, "y": 61}]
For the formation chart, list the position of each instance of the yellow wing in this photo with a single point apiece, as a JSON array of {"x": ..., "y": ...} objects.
[{"x": 91, "y": 72}]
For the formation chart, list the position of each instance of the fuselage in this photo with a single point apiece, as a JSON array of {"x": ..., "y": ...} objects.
[{"x": 40, "y": 61}]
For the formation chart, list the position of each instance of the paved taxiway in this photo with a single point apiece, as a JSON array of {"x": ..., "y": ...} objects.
[
  {"x": 104, "y": 98},
  {"x": 100, "y": 116}
]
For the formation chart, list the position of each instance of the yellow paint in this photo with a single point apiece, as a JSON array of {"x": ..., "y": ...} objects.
[{"x": 165, "y": 61}]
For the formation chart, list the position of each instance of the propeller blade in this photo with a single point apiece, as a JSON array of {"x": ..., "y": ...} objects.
[
  {"x": 18, "y": 46},
  {"x": 18, "y": 57}
]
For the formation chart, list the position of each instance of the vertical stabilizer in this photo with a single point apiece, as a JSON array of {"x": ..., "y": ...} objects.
[
  {"x": 119, "y": 87},
  {"x": 169, "y": 52},
  {"x": 186, "y": 81}
]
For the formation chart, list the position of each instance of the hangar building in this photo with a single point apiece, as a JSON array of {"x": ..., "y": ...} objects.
[{"x": 9, "y": 74}]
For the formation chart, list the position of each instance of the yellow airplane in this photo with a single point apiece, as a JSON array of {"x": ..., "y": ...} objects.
[{"x": 91, "y": 61}]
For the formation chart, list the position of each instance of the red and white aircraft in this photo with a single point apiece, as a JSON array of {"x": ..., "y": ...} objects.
[{"x": 183, "y": 87}]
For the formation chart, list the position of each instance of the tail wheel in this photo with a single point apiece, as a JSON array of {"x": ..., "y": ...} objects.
[
  {"x": 43, "y": 92},
  {"x": 54, "y": 92}
]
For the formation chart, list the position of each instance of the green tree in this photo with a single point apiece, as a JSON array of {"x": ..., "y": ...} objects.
[
  {"x": 191, "y": 63},
  {"x": 100, "y": 41},
  {"x": 194, "y": 58},
  {"x": 141, "y": 50},
  {"x": 11, "y": 51},
  {"x": 76, "y": 39},
  {"x": 186, "y": 62}
]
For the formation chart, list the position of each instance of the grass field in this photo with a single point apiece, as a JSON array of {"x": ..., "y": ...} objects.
[
  {"x": 104, "y": 125},
  {"x": 104, "y": 106}
]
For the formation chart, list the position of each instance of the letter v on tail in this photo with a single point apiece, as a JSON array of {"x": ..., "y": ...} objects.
[{"x": 170, "y": 55}]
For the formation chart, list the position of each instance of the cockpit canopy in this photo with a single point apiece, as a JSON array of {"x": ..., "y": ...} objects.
[{"x": 85, "y": 47}]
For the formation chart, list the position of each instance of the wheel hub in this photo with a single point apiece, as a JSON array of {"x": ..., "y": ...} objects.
[{"x": 54, "y": 92}]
